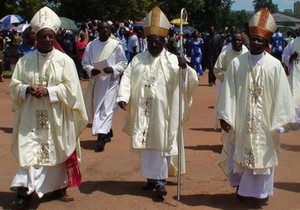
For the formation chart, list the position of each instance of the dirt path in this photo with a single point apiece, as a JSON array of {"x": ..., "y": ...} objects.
[{"x": 112, "y": 180}]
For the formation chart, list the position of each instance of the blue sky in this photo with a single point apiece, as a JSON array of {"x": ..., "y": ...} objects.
[{"x": 247, "y": 4}]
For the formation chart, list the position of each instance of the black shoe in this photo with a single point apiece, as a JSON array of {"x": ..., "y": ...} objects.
[
  {"x": 109, "y": 136},
  {"x": 253, "y": 202},
  {"x": 21, "y": 203},
  {"x": 149, "y": 186},
  {"x": 101, "y": 141},
  {"x": 57, "y": 194},
  {"x": 260, "y": 201},
  {"x": 99, "y": 148},
  {"x": 61, "y": 195},
  {"x": 160, "y": 190}
]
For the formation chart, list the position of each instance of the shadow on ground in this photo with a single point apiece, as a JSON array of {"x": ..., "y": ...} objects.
[
  {"x": 118, "y": 188},
  {"x": 6, "y": 130},
  {"x": 88, "y": 144},
  {"x": 288, "y": 186},
  {"x": 218, "y": 130},
  {"x": 294, "y": 148},
  {"x": 213, "y": 148},
  {"x": 217, "y": 201},
  {"x": 6, "y": 198}
]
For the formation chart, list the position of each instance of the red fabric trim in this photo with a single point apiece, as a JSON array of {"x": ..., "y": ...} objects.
[{"x": 74, "y": 175}]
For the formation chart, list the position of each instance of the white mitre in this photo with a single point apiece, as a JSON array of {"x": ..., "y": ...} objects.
[
  {"x": 156, "y": 23},
  {"x": 45, "y": 18}
]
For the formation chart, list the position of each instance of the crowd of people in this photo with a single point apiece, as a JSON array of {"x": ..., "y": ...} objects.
[
  {"x": 201, "y": 48},
  {"x": 140, "y": 69}
]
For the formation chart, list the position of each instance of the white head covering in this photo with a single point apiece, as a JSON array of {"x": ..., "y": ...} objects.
[
  {"x": 156, "y": 23},
  {"x": 45, "y": 18},
  {"x": 262, "y": 24}
]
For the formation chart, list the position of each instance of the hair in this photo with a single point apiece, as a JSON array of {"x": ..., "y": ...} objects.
[
  {"x": 25, "y": 32},
  {"x": 236, "y": 31}
]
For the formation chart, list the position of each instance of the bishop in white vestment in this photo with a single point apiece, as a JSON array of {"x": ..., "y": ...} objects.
[
  {"x": 50, "y": 115},
  {"x": 149, "y": 91},
  {"x": 254, "y": 102}
]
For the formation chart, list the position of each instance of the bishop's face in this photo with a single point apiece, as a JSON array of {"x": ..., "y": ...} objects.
[
  {"x": 45, "y": 39},
  {"x": 155, "y": 44},
  {"x": 257, "y": 44}
]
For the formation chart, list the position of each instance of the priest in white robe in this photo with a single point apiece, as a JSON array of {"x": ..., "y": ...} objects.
[
  {"x": 233, "y": 49},
  {"x": 50, "y": 115},
  {"x": 149, "y": 92},
  {"x": 291, "y": 58},
  {"x": 236, "y": 48},
  {"x": 254, "y": 102},
  {"x": 104, "y": 60}
]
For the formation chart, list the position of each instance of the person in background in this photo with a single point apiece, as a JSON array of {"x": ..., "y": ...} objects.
[
  {"x": 196, "y": 46},
  {"x": 254, "y": 102},
  {"x": 291, "y": 57},
  {"x": 233, "y": 49},
  {"x": 213, "y": 44},
  {"x": 149, "y": 93},
  {"x": 132, "y": 44},
  {"x": 104, "y": 61},
  {"x": 13, "y": 53},
  {"x": 50, "y": 115},
  {"x": 81, "y": 44},
  {"x": 2, "y": 46},
  {"x": 28, "y": 41},
  {"x": 277, "y": 45},
  {"x": 172, "y": 42},
  {"x": 67, "y": 44}
]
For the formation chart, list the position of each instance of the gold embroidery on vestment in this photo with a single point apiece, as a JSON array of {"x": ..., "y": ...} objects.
[{"x": 41, "y": 119}]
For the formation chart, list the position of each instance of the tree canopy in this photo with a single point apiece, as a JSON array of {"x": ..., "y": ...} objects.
[
  {"x": 258, "y": 4},
  {"x": 201, "y": 13}
]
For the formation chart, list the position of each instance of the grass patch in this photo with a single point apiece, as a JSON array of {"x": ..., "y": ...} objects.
[{"x": 6, "y": 74}]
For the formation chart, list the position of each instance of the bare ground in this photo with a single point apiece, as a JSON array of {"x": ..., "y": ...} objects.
[{"x": 112, "y": 180}]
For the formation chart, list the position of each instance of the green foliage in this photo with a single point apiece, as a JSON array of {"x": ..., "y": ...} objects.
[
  {"x": 201, "y": 13},
  {"x": 259, "y": 4}
]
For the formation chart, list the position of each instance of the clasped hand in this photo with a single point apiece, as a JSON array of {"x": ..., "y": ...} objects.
[
  {"x": 107, "y": 70},
  {"x": 37, "y": 91}
]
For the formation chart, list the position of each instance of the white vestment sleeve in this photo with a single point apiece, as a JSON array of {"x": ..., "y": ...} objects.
[
  {"x": 22, "y": 92},
  {"x": 53, "y": 93}
]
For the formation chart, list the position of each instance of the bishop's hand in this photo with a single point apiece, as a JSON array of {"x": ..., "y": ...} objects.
[
  {"x": 181, "y": 62},
  {"x": 224, "y": 125},
  {"x": 95, "y": 72},
  {"x": 123, "y": 105}
]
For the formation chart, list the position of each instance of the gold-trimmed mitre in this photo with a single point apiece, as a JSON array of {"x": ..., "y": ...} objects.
[
  {"x": 45, "y": 18},
  {"x": 262, "y": 24},
  {"x": 156, "y": 23}
]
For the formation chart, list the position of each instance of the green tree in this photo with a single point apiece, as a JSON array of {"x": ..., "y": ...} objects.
[
  {"x": 104, "y": 9},
  {"x": 201, "y": 13},
  {"x": 258, "y": 4},
  {"x": 215, "y": 13},
  {"x": 24, "y": 8}
]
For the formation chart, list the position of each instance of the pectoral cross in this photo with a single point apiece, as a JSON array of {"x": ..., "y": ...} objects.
[{"x": 255, "y": 92}]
